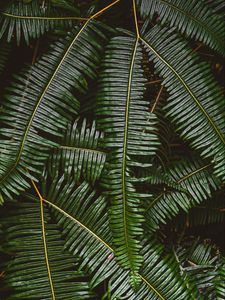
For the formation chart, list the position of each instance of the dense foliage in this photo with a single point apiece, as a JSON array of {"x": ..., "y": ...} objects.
[{"x": 112, "y": 157}]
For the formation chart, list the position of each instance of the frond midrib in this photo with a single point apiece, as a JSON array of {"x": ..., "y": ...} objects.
[
  {"x": 44, "y": 240},
  {"x": 79, "y": 223},
  {"x": 43, "y": 17},
  {"x": 46, "y": 249},
  {"x": 125, "y": 142}
]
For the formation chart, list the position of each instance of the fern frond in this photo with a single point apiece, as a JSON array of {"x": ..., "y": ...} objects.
[
  {"x": 80, "y": 154},
  {"x": 161, "y": 281},
  {"x": 195, "y": 103},
  {"x": 41, "y": 96},
  {"x": 82, "y": 215},
  {"x": 39, "y": 267},
  {"x": 194, "y": 18},
  {"x": 30, "y": 21},
  {"x": 201, "y": 262},
  {"x": 196, "y": 183},
  {"x": 123, "y": 116}
]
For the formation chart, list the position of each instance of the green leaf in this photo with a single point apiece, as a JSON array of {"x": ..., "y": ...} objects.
[{"x": 201, "y": 262}]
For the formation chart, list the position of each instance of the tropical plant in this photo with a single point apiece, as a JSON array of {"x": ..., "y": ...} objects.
[{"x": 112, "y": 157}]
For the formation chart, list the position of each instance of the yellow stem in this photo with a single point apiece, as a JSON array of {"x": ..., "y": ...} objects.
[{"x": 44, "y": 240}]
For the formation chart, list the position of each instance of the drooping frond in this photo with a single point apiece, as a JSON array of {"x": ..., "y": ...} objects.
[
  {"x": 39, "y": 266},
  {"x": 31, "y": 20},
  {"x": 40, "y": 102},
  {"x": 195, "y": 103},
  {"x": 123, "y": 115},
  {"x": 79, "y": 154},
  {"x": 195, "y": 182},
  {"x": 194, "y": 18}
]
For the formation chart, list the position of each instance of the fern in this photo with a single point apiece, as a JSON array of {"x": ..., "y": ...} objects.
[
  {"x": 40, "y": 110},
  {"x": 32, "y": 20},
  {"x": 193, "y": 18},
  {"x": 128, "y": 127},
  {"x": 190, "y": 104},
  {"x": 194, "y": 185},
  {"x": 111, "y": 150},
  {"x": 80, "y": 154}
]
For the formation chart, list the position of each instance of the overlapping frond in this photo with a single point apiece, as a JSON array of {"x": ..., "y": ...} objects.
[
  {"x": 194, "y": 18},
  {"x": 39, "y": 267},
  {"x": 160, "y": 279},
  {"x": 82, "y": 215},
  {"x": 74, "y": 218},
  {"x": 195, "y": 184},
  {"x": 40, "y": 102},
  {"x": 31, "y": 20},
  {"x": 121, "y": 135},
  {"x": 123, "y": 116},
  {"x": 80, "y": 154},
  {"x": 201, "y": 262},
  {"x": 195, "y": 103}
]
